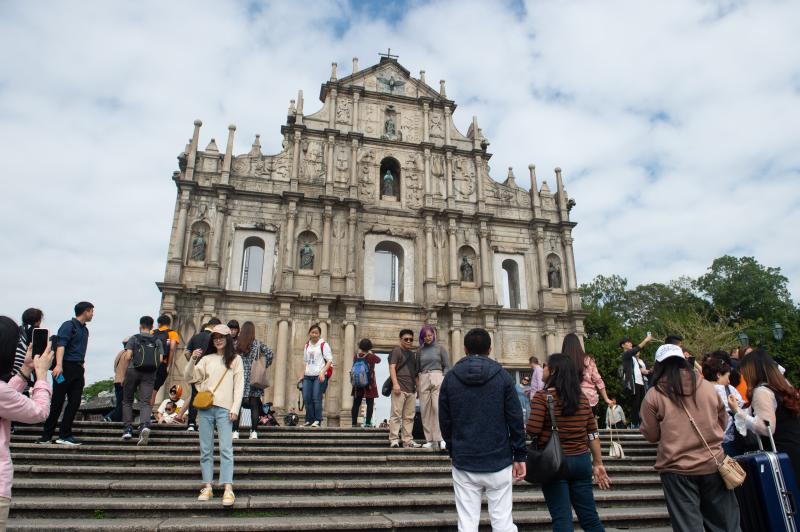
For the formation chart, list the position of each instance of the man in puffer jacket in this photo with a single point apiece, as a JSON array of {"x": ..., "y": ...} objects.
[{"x": 481, "y": 422}]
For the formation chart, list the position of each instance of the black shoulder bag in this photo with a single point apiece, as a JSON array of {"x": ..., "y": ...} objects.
[
  {"x": 386, "y": 389},
  {"x": 546, "y": 464}
]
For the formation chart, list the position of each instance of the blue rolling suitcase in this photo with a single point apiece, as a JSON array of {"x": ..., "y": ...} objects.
[{"x": 768, "y": 498}]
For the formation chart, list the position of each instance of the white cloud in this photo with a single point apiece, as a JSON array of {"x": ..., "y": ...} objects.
[{"x": 676, "y": 125}]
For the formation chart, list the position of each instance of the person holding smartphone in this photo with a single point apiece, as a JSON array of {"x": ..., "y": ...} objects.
[
  {"x": 16, "y": 407},
  {"x": 73, "y": 339}
]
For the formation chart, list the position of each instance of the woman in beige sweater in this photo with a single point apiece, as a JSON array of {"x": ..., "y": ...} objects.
[
  {"x": 220, "y": 372},
  {"x": 696, "y": 495}
]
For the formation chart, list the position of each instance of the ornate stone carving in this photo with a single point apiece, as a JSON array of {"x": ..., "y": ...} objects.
[
  {"x": 413, "y": 189},
  {"x": 371, "y": 119},
  {"x": 437, "y": 126},
  {"x": 343, "y": 111},
  {"x": 467, "y": 273},
  {"x": 365, "y": 163},
  {"x": 463, "y": 178},
  {"x": 389, "y": 84},
  {"x": 388, "y": 184},
  {"x": 553, "y": 273},
  {"x": 198, "y": 251},
  {"x": 313, "y": 171},
  {"x": 390, "y": 129},
  {"x": 411, "y": 128},
  {"x": 306, "y": 257},
  {"x": 437, "y": 171},
  {"x": 342, "y": 163}
]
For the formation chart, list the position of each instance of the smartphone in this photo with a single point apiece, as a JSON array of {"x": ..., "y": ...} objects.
[
  {"x": 649, "y": 333},
  {"x": 60, "y": 378},
  {"x": 39, "y": 341}
]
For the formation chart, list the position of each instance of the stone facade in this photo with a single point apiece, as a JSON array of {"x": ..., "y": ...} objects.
[{"x": 322, "y": 210}]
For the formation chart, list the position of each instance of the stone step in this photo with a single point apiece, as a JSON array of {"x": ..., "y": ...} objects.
[
  {"x": 643, "y": 518},
  {"x": 185, "y": 487},
  {"x": 74, "y": 508}
]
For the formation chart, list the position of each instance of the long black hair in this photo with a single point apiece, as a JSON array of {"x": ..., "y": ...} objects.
[
  {"x": 564, "y": 378},
  {"x": 668, "y": 378},
  {"x": 230, "y": 353},
  {"x": 573, "y": 349},
  {"x": 9, "y": 337}
]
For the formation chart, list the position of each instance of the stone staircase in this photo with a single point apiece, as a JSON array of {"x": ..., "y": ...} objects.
[{"x": 290, "y": 478}]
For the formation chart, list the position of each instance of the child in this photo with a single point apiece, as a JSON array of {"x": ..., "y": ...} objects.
[{"x": 176, "y": 415}]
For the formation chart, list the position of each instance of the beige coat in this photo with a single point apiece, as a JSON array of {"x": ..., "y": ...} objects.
[{"x": 207, "y": 373}]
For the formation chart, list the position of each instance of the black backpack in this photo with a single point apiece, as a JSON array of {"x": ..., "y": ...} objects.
[
  {"x": 147, "y": 355},
  {"x": 163, "y": 336}
]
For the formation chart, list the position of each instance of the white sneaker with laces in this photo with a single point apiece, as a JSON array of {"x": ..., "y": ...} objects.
[
  {"x": 235, "y": 435},
  {"x": 315, "y": 424},
  {"x": 427, "y": 445},
  {"x": 442, "y": 445},
  {"x": 253, "y": 435}
]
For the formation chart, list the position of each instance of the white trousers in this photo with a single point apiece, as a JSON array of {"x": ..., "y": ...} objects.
[{"x": 469, "y": 487}]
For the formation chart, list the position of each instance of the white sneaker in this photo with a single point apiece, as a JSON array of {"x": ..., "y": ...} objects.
[
  {"x": 191, "y": 428},
  {"x": 315, "y": 424},
  {"x": 253, "y": 435},
  {"x": 144, "y": 436},
  {"x": 235, "y": 435},
  {"x": 307, "y": 424},
  {"x": 442, "y": 445},
  {"x": 427, "y": 445},
  {"x": 412, "y": 445}
]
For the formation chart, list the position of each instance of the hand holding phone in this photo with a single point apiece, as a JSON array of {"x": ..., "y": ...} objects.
[
  {"x": 60, "y": 378},
  {"x": 39, "y": 341}
]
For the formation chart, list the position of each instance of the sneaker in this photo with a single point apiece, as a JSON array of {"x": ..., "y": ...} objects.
[
  {"x": 127, "y": 434},
  {"x": 427, "y": 445},
  {"x": 205, "y": 494},
  {"x": 315, "y": 425},
  {"x": 394, "y": 445},
  {"x": 228, "y": 498},
  {"x": 412, "y": 445},
  {"x": 144, "y": 436},
  {"x": 42, "y": 441},
  {"x": 192, "y": 428},
  {"x": 253, "y": 435},
  {"x": 69, "y": 440},
  {"x": 307, "y": 424},
  {"x": 442, "y": 445},
  {"x": 368, "y": 425},
  {"x": 235, "y": 435}
]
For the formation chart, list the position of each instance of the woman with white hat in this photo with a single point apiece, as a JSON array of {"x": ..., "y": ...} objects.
[
  {"x": 685, "y": 415},
  {"x": 219, "y": 372}
]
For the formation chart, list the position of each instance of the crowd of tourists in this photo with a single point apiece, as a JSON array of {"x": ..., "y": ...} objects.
[{"x": 733, "y": 402}]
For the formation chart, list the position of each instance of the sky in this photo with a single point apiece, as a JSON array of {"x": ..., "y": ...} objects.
[{"x": 676, "y": 125}]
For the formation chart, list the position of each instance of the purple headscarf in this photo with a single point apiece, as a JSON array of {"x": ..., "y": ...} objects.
[{"x": 423, "y": 331}]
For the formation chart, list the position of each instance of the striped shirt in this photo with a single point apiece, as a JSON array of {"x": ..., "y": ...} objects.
[
  {"x": 22, "y": 349},
  {"x": 575, "y": 431}
]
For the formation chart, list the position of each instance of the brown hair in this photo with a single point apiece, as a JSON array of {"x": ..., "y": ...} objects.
[
  {"x": 572, "y": 348},
  {"x": 247, "y": 335},
  {"x": 759, "y": 368}
]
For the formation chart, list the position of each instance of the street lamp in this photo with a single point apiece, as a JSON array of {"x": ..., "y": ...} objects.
[
  {"x": 777, "y": 331},
  {"x": 744, "y": 341}
]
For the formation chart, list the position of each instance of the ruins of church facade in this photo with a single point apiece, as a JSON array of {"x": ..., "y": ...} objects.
[{"x": 377, "y": 214}]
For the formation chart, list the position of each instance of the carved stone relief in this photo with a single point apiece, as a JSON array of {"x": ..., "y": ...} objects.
[
  {"x": 437, "y": 126},
  {"x": 411, "y": 127},
  {"x": 343, "y": 111},
  {"x": 342, "y": 163},
  {"x": 281, "y": 164},
  {"x": 413, "y": 189},
  {"x": 370, "y": 119},
  {"x": 437, "y": 171},
  {"x": 463, "y": 178},
  {"x": 391, "y": 129},
  {"x": 366, "y": 161},
  {"x": 339, "y": 246},
  {"x": 388, "y": 83},
  {"x": 313, "y": 169}
]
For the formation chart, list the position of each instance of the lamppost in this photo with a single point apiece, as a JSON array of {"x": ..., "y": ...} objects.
[
  {"x": 777, "y": 331},
  {"x": 744, "y": 341}
]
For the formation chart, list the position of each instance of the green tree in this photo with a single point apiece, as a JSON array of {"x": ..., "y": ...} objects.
[{"x": 106, "y": 385}]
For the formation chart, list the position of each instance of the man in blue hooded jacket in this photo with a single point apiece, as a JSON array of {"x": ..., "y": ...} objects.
[{"x": 481, "y": 421}]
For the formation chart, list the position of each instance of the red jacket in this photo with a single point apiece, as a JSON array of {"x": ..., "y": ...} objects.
[{"x": 372, "y": 391}]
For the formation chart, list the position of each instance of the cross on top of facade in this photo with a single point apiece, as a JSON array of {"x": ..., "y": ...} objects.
[{"x": 388, "y": 54}]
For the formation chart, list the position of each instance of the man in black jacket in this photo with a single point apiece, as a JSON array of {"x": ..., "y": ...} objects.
[
  {"x": 481, "y": 422},
  {"x": 633, "y": 382}
]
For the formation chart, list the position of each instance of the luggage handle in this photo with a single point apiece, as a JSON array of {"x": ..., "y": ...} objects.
[
  {"x": 790, "y": 497},
  {"x": 771, "y": 439}
]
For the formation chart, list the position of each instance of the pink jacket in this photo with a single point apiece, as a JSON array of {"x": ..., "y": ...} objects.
[
  {"x": 16, "y": 407},
  {"x": 592, "y": 381}
]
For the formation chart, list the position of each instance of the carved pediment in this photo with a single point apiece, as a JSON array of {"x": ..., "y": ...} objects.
[{"x": 391, "y": 78}]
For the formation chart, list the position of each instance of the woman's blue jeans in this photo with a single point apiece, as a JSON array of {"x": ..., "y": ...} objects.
[
  {"x": 575, "y": 491},
  {"x": 206, "y": 419},
  {"x": 312, "y": 397}
]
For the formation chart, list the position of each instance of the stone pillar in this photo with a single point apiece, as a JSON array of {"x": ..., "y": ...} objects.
[
  {"x": 354, "y": 167},
  {"x": 447, "y": 113},
  {"x": 426, "y": 127},
  {"x": 175, "y": 263},
  {"x": 329, "y": 155},
  {"x": 295, "y": 162},
  {"x": 456, "y": 343},
  {"x": 539, "y": 237},
  {"x": 550, "y": 342},
  {"x": 356, "y": 97},
  {"x": 479, "y": 167},
  {"x": 351, "y": 251},
  {"x": 325, "y": 272},
  {"x": 487, "y": 281},
  {"x": 451, "y": 232},
  {"x": 347, "y": 364},
  {"x": 226, "y": 162},
  {"x": 427, "y": 164},
  {"x": 288, "y": 259},
  {"x": 281, "y": 379},
  {"x": 332, "y": 109},
  {"x": 214, "y": 266},
  {"x": 192, "y": 157},
  {"x": 448, "y": 175},
  {"x": 571, "y": 277},
  {"x": 430, "y": 267}
]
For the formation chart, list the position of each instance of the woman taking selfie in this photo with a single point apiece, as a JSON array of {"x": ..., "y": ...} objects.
[
  {"x": 219, "y": 372},
  {"x": 580, "y": 443},
  {"x": 16, "y": 407}
]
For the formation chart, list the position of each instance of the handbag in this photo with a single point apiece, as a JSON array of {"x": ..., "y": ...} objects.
[
  {"x": 614, "y": 447},
  {"x": 205, "y": 399},
  {"x": 729, "y": 469},
  {"x": 259, "y": 379},
  {"x": 546, "y": 464},
  {"x": 386, "y": 389}
]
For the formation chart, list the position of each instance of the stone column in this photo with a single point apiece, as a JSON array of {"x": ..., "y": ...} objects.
[
  {"x": 427, "y": 163},
  {"x": 426, "y": 111},
  {"x": 192, "y": 157},
  {"x": 487, "y": 281},
  {"x": 325, "y": 272},
  {"x": 451, "y": 232},
  {"x": 346, "y": 365},
  {"x": 447, "y": 113},
  {"x": 295, "y": 162},
  {"x": 354, "y": 168},
  {"x": 329, "y": 162},
  {"x": 214, "y": 266},
  {"x": 571, "y": 277},
  {"x": 356, "y": 97},
  {"x": 456, "y": 343},
  {"x": 448, "y": 175},
  {"x": 226, "y": 161},
  {"x": 332, "y": 109},
  {"x": 288, "y": 260},
  {"x": 351, "y": 251},
  {"x": 479, "y": 168},
  {"x": 279, "y": 382},
  {"x": 175, "y": 263},
  {"x": 550, "y": 342},
  {"x": 430, "y": 267},
  {"x": 539, "y": 237}
]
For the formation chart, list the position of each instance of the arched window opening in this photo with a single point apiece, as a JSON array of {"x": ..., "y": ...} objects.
[
  {"x": 390, "y": 178},
  {"x": 252, "y": 265},
  {"x": 388, "y": 282},
  {"x": 511, "y": 297}
]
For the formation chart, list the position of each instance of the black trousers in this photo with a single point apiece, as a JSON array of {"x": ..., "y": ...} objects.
[
  {"x": 636, "y": 403},
  {"x": 357, "y": 405},
  {"x": 71, "y": 390},
  {"x": 254, "y": 405},
  {"x": 192, "y": 409},
  {"x": 700, "y": 502}
]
